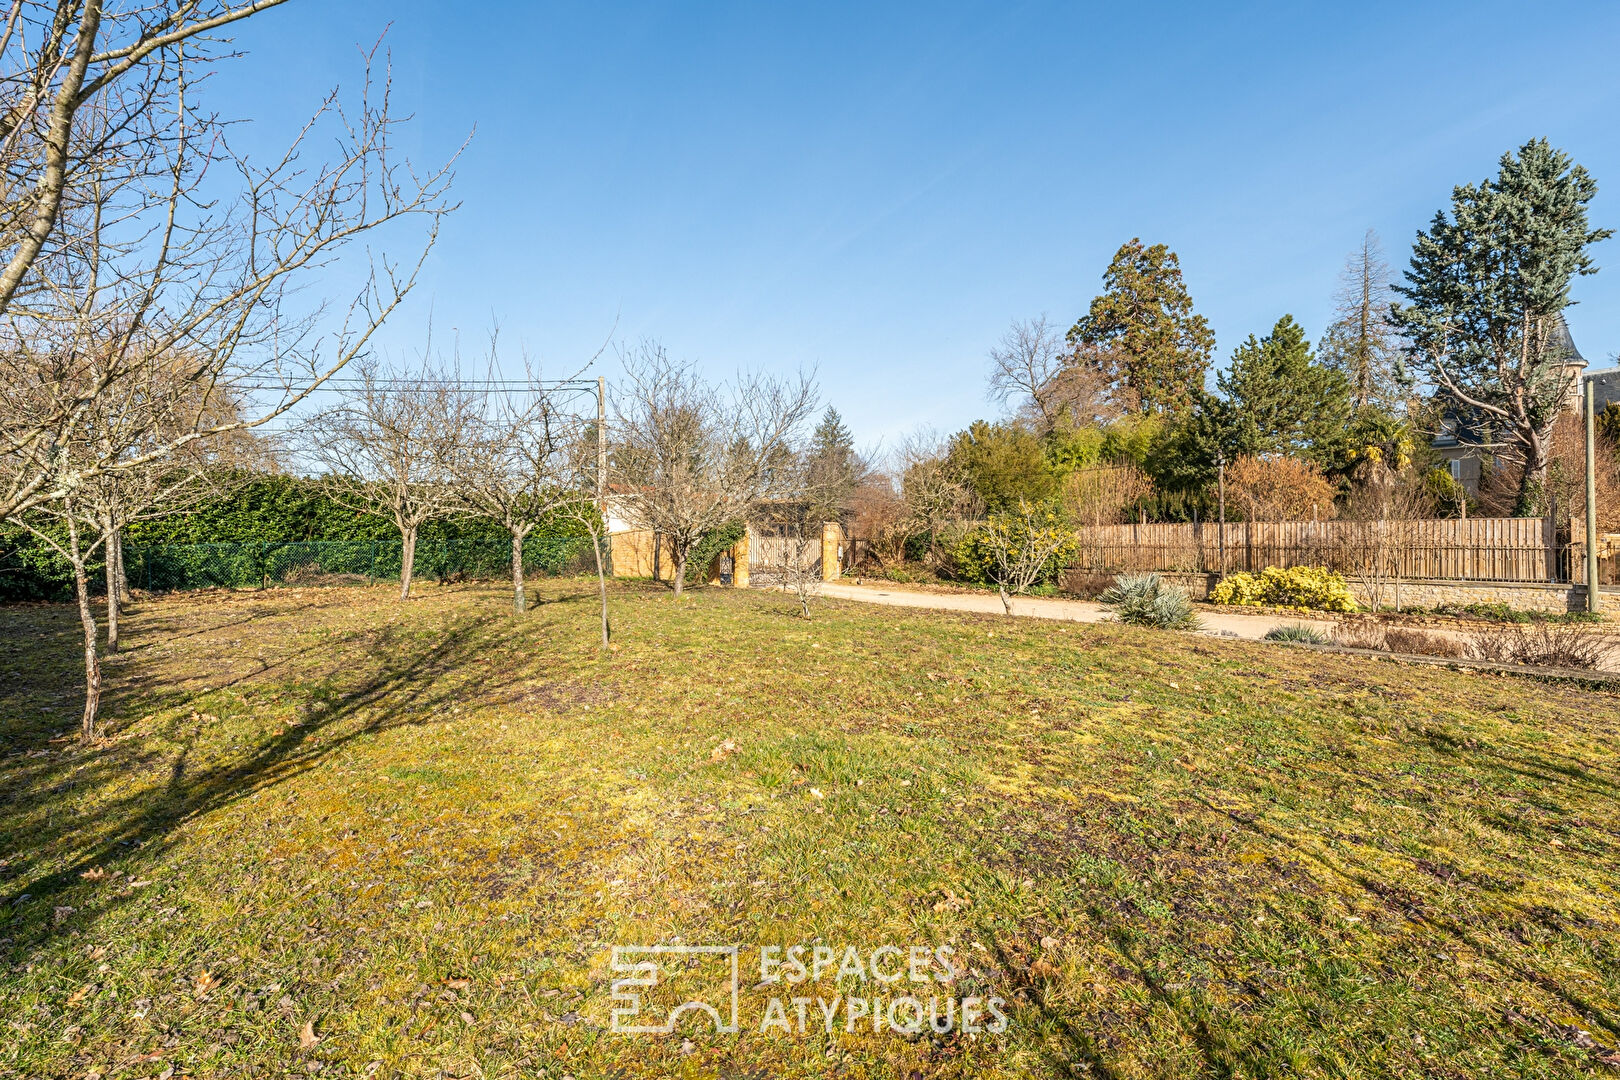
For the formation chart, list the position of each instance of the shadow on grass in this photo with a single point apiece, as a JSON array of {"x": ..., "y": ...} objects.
[
  {"x": 394, "y": 678},
  {"x": 1464, "y": 931}
]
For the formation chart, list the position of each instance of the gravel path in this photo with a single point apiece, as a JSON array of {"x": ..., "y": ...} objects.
[{"x": 1250, "y": 627}]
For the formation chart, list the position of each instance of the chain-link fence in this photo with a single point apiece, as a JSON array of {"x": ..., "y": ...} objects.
[{"x": 171, "y": 567}]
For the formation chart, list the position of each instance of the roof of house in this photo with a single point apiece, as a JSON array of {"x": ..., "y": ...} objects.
[
  {"x": 1605, "y": 387},
  {"x": 1561, "y": 346}
]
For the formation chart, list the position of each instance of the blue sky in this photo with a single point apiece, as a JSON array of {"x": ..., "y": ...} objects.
[{"x": 877, "y": 190}]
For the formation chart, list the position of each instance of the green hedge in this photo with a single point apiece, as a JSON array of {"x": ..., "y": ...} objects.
[
  {"x": 167, "y": 567},
  {"x": 267, "y": 514}
]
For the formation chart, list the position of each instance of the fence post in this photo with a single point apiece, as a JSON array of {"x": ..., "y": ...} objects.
[{"x": 371, "y": 570}]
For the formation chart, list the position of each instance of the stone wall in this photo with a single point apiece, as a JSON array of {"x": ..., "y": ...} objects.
[
  {"x": 1553, "y": 599},
  {"x": 1427, "y": 594}
]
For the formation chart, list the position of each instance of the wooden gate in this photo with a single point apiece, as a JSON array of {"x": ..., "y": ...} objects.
[{"x": 777, "y": 551}]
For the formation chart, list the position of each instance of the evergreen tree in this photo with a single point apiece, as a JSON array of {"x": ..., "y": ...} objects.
[
  {"x": 832, "y": 466},
  {"x": 1281, "y": 400},
  {"x": 1361, "y": 343},
  {"x": 1485, "y": 294},
  {"x": 1002, "y": 464},
  {"x": 1141, "y": 333}
]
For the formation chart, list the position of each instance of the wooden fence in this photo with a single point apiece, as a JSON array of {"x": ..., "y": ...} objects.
[{"x": 1476, "y": 549}]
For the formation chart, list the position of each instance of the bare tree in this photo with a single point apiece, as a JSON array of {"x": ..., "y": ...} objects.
[
  {"x": 391, "y": 449},
  {"x": 934, "y": 495},
  {"x": 518, "y": 462},
  {"x": 879, "y": 517},
  {"x": 69, "y": 541},
  {"x": 1362, "y": 342},
  {"x": 62, "y": 59},
  {"x": 1023, "y": 544},
  {"x": 1382, "y": 519},
  {"x": 119, "y": 252},
  {"x": 797, "y": 567},
  {"x": 143, "y": 409},
  {"x": 689, "y": 457},
  {"x": 1049, "y": 384},
  {"x": 586, "y": 450},
  {"x": 1103, "y": 494}
]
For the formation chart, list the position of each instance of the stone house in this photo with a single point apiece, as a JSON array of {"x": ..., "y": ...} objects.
[{"x": 1463, "y": 448}]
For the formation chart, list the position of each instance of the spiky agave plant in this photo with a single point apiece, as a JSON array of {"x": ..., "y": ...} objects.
[
  {"x": 1145, "y": 600},
  {"x": 1308, "y": 635}
]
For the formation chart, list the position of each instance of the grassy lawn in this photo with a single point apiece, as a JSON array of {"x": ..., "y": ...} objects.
[{"x": 334, "y": 834}]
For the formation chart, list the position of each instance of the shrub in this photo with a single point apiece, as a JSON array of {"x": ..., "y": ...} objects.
[
  {"x": 1308, "y": 635},
  {"x": 1498, "y": 611},
  {"x": 1279, "y": 489},
  {"x": 1544, "y": 644},
  {"x": 1489, "y": 612},
  {"x": 1359, "y": 635},
  {"x": 1310, "y": 587},
  {"x": 1404, "y": 639},
  {"x": 1034, "y": 531},
  {"x": 1145, "y": 600}
]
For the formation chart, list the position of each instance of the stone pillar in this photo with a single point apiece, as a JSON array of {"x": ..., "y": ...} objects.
[
  {"x": 739, "y": 562},
  {"x": 832, "y": 539}
]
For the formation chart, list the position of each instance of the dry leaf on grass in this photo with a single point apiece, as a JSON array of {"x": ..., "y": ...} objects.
[
  {"x": 457, "y": 984},
  {"x": 95, "y": 873},
  {"x": 307, "y": 1039},
  {"x": 723, "y": 751},
  {"x": 204, "y": 983}
]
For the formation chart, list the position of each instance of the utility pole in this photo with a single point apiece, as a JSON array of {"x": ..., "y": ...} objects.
[
  {"x": 1220, "y": 467},
  {"x": 1593, "y": 601}
]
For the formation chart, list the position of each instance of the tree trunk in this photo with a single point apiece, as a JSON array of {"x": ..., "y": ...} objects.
[
  {"x": 123, "y": 574},
  {"x": 1532, "y": 499},
  {"x": 88, "y": 729},
  {"x": 680, "y": 571},
  {"x": 407, "y": 561},
  {"x": 1006, "y": 601},
  {"x": 115, "y": 557},
  {"x": 601, "y": 583},
  {"x": 517, "y": 572}
]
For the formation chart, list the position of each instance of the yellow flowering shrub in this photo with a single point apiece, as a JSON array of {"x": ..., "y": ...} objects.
[{"x": 1312, "y": 587}]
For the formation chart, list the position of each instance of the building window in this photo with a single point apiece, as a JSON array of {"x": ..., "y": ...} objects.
[{"x": 1454, "y": 466}]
